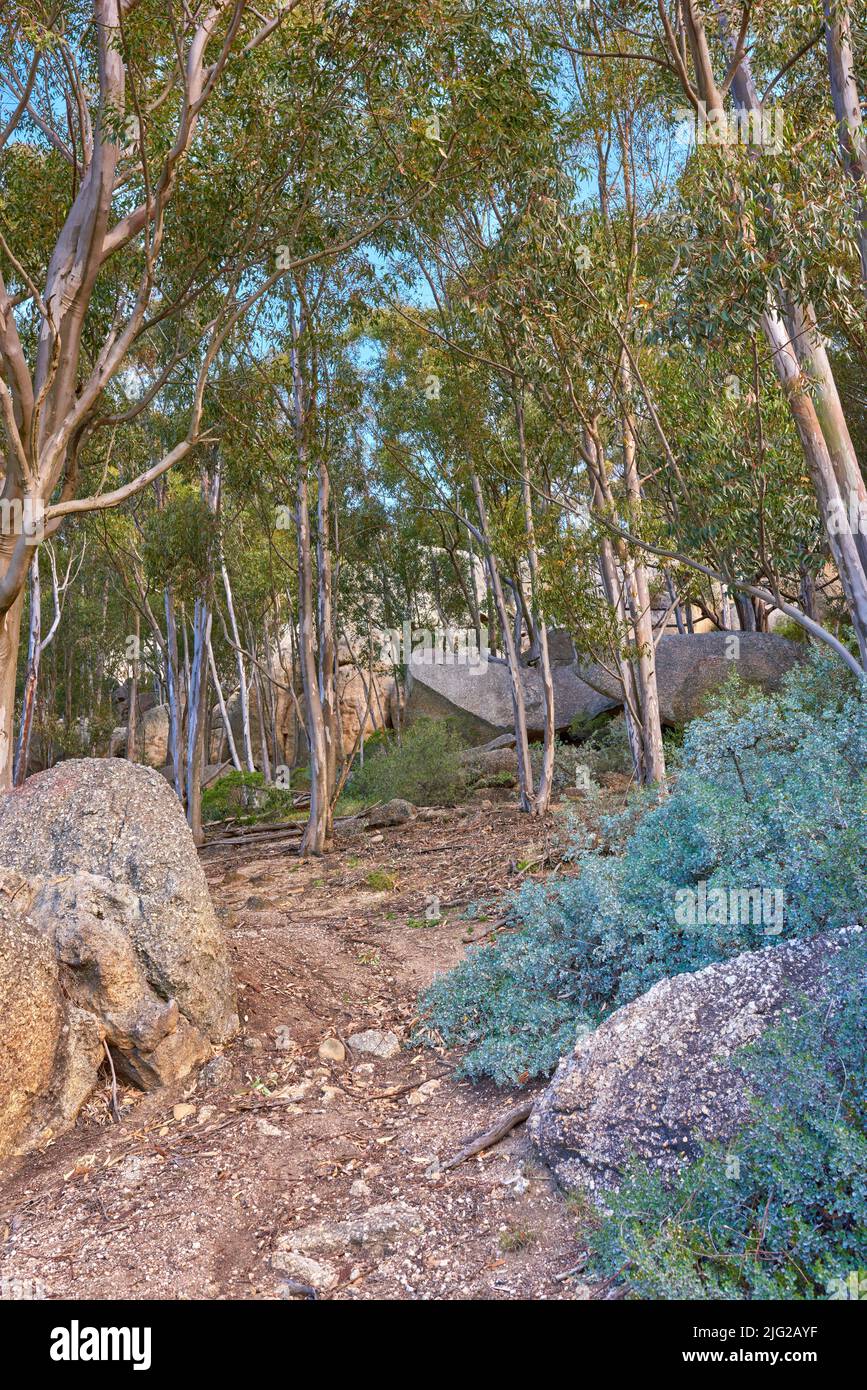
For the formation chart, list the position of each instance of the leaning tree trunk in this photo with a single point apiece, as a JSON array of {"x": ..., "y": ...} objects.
[
  {"x": 847, "y": 109},
  {"x": 243, "y": 698},
  {"x": 227, "y": 728}
]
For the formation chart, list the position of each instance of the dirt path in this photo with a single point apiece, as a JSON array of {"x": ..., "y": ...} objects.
[{"x": 203, "y": 1193}]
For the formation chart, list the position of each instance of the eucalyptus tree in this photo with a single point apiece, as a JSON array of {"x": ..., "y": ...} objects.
[
  {"x": 765, "y": 192},
  {"x": 163, "y": 168},
  {"x": 102, "y": 105}
]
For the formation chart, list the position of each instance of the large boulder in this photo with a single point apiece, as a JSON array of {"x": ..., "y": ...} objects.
[
  {"x": 479, "y": 696},
  {"x": 122, "y": 822},
  {"x": 656, "y": 1078},
  {"x": 365, "y": 698},
  {"x": 120, "y": 700},
  {"x": 151, "y": 741},
  {"x": 690, "y": 667},
  {"x": 50, "y": 1050},
  {"x": 93, "y": 924}
]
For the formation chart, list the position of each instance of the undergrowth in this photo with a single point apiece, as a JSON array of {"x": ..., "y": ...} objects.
[{"x": 769, "y": 793}]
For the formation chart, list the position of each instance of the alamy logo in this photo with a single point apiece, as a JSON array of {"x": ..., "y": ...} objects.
[
  {"x": 23, "y": 518},
  {"x": 762, "y": 130},
  {"x": 20, "y": 1290},
  {"x": 736, "y": 907},
  {"x": 438, "y": 646},
  {"x": 77, "y": 1343},
  {"x": 851, "y": 1286},
  {"x": 851, "y": 520}
]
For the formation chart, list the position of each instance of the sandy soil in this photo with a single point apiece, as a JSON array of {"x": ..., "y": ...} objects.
[{"x": 193, "y": 1193}]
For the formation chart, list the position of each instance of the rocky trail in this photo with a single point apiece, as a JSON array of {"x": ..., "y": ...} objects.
[{"x": 307, "y": 1155}]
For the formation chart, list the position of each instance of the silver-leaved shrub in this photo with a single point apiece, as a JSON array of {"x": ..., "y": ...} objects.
[{"x": 768, "y": 804}]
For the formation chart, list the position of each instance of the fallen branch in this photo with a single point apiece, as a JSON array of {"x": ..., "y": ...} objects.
[
  {"x": 257, "y": 837},
  {"x": 491, "y": 1136}
]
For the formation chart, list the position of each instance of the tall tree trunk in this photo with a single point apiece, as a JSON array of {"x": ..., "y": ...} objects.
[
  {"x": 327, "y": 645},
  {"x": 260, "y": 719},
  {"x": 133, "y": 712},
  {"x": 847, "y": 109},
  {"x": 172, "y": 682},
  {"x": 638, "y": 599},
  {"x": 196, "y": 716},
  {"x": 542, "y": 799},
  {"x": 10, "y": 628},
  {"x": 31, "y": 678},
  {"x": 525, "y": 770},
  {"x": 316, "y": 839},
  {"x": 613, "y": 585},
  {"x": 317, "y": 834}
]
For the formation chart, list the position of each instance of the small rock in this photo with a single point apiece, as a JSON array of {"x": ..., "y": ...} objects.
[
  {"x": 316, "y": 1273},
  {"x": 181, "y": 1112},
  {"x": 267, "y": 1129},
  {"x": 394, "y": 812},
  {"x": 376, "y": 1043},
  {"x": 294, "y": 1093},
  {"x": 283, "y": 1039},
  {"x": 217, "y": 1072},
  {"x": 423, "y": 1092},
  {"x": 332, "y": 1050},
  {"x": 373, "y": 1230}
]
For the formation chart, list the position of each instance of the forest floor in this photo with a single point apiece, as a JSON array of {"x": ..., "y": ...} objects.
[{"x": 192, "y": 1193}]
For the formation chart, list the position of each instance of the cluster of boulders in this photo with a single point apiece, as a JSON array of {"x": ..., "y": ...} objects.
[
  {"x": 688, "y": 670},
  {"x": 109, "y": 946}
]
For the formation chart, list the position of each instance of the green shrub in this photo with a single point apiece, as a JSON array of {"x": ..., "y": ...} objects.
[
  {"x": 781, "y": 1212},
  {"x": 381, "y": 880},
  {"x": 566, "y": 759},
  {"x": 771, "y": 793},
  {"x": 787, "y": 627},
  {"x": 584, "y": 725},
  {"x": 608, "y": 749},
  {"x": 245, "y": 795},
  {"x": 424, "y": 769}
]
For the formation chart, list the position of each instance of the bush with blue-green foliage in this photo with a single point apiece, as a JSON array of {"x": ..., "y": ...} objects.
[
  {"x": 781, "y": 1211},
  {"x": 768, "y": 791}
]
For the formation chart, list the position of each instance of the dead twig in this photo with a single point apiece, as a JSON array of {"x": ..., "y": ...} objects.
[{"x": 115, "y": 1108}]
